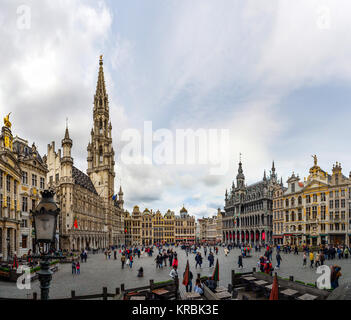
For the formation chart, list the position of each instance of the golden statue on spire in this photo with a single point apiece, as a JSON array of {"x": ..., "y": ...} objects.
[
  {"x": 315, "y": 159},
  {"x": 7, "y": 121}
]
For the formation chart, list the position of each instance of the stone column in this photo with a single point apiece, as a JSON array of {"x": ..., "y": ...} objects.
[{"x": 4, "y": 243}]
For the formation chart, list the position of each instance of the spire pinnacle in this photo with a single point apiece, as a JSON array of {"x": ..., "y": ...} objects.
[
  {"x": 100, "y": 87},
  {"x": 66, "y": 132}
]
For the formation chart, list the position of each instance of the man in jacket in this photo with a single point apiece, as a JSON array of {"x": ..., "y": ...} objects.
[{"x": 211, "y": 259}]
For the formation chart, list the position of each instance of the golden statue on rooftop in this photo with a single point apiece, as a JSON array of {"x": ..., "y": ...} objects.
[
  {"x": 7, "y": 121},
  {"x": 315, "y": 159}
]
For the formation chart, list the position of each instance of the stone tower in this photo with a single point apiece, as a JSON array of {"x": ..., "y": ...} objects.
[{"x": 100, "y": 151}]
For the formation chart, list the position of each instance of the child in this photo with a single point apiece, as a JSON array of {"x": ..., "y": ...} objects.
[{"x": 78, "y": 267}]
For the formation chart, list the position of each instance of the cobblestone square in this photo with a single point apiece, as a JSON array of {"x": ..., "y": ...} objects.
[{"x": 99, "y": 272}]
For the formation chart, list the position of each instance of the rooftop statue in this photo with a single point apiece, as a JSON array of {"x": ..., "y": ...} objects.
[{"x": 7, "y": 121}]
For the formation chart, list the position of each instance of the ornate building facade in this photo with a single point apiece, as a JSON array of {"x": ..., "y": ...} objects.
[
  {"x": 148, "y": 227},
  {"x": 10, "y": 180},
  {"x": 248, "y": 214},
  {"x": 33, "y": 182},
  {"x": 91, "y": 214},
  {"x": 318, "y": 211},
  {"x": 184, "y": 227}
]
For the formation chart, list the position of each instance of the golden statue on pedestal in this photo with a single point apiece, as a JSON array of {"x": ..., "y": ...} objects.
[
  {"x": 315, "y": 159},
  {"x": 7, "y": 121}
]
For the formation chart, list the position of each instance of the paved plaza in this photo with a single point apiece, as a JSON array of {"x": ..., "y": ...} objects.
[{"x": 99, "y": 272}]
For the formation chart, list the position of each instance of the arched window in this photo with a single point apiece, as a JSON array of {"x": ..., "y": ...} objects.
[
  {"x": 299, "y": 201},
  {"x": 292, "y": 202},
  {"x": 287, "y": 202}
]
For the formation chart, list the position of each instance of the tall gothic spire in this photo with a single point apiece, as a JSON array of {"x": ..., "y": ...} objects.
[
  {"x": 101, "y": 97},
  {"x": 100, "y": 151}
]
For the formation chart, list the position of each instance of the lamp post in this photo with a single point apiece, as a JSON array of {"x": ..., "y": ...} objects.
[{"x": 45, "y": 222}]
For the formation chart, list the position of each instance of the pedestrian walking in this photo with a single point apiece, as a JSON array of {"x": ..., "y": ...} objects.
[
  {"x": 123, "y": 260},
  {"x": 311, "y": 259},
  {"x": 334, "y": 276},
  {"x": 131, "y": 261},
  {"x": 174, "y": 273},
  {"x": 78, "y": 267},
  {"x": 279, "y": 259},
  {"x": 211, "y": 259},
  {"x": 115, "y": 254},
  {"x": 240, "y": 262},
  {"x": 74, "y": 270},
  {"x": 304, "y": 259},
  {"x": 317, "y": 261}
]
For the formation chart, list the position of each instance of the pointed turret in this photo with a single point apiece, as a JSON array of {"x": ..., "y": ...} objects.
[
  {"x": 66, "y": 160},
  {"x": 240, "y": 178}
]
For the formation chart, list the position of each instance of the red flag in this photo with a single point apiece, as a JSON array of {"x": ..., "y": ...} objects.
[
  {"x": 75, "y": 223},
  {"x": 275, "y": 291},
  {"x": 186, "y": 274},
  {"x": 15, "y": 262}
]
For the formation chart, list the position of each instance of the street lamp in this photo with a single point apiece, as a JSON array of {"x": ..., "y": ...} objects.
[{"x": 45, "y": 222}]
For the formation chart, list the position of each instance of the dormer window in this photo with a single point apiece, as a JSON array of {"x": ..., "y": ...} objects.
[{"x": 293, "y": 187}]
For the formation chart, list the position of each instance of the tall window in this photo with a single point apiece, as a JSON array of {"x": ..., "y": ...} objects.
[
  {"x": 323, "y": 196},
  {"x": 42, "y": 183},
  {"x": 34, "y": 180},
  {"x": 300, "y": 214},
  {"x": 1, "y": 179},
  {"x": 308, "y": 199},
  {"x": 15, "y": 187},
  {"x": 342, "y": 203},
  {"x": 24, "y": 204},
  {"x": 322, "y": 212},
  {"x": 293, "y": 187},
  {"x": 25, "y": 178},
  {"x": 331, "y": 204},
  {"x": 314, "y": 212},
  {"x": 336, "y": 203},
  {"x": 299, "y": 201},
  {"x": 8, "y": 183},
  {"x": 308, "y": 213},
  {"x": 331, "y": 194},
  {"x": 315, "y": 198},
  {"x": 100, "y": 155}
]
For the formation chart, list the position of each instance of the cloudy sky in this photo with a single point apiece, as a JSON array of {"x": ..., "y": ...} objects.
[{"x": 276, "y": 74}]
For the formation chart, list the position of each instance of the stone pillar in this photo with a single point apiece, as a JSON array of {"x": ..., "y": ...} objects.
[{"x": 4, "y": 243}]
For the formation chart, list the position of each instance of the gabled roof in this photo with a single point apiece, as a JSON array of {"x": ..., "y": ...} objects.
[{"x": 82, "y": 180}]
